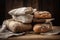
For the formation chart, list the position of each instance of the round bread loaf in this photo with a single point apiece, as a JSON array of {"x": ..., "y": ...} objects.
[
  {"x": 42, "y": 14},
  {"x": 41, "y": 28},
  {"x": 15, "y": 26},
  {"x": 19, "y": 27}
]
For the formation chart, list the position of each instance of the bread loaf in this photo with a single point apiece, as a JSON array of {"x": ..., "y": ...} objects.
[
  {"x": 41, "y": 28},
  {"x": 15, "y": 26},
  {"x": 42, "y": 14}
]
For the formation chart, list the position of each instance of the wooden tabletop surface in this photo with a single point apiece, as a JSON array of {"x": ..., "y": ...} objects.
[{"x": 37, "y": 36}]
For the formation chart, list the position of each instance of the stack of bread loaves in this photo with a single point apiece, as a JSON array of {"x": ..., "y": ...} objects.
[
  {"x": 42, "y": 20},
  {"x": 23, "y": 17}
]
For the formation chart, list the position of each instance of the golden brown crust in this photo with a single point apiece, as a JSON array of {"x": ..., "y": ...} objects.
[
  {"x": 42, "y": 14},
  {"x": 19, "y": 27},
  {"x": 41, "y": 28}
]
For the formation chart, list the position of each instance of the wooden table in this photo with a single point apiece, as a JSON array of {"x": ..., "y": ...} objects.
[{"x": 37, "y": 36}]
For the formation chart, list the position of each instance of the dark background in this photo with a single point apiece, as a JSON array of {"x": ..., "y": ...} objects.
[{"x": 48, "y": 5}]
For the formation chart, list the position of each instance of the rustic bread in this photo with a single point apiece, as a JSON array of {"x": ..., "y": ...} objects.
[
  {"x": 19, "y": 27},
  {"x": 42, "y": 14},
  {"x": 41, "y": 28},
  {"x": 15, "y": 26}
]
